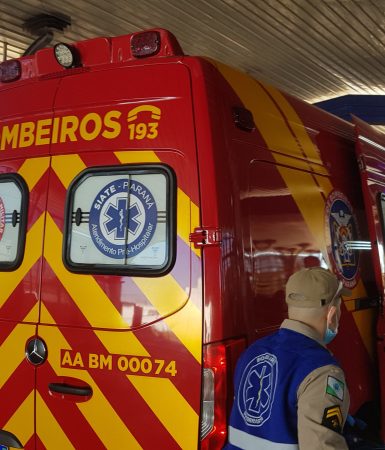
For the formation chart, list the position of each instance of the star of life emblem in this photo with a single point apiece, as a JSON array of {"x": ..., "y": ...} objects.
[
  {"x": 123, "y": 218},
  {"x": 257, "y": 389}
]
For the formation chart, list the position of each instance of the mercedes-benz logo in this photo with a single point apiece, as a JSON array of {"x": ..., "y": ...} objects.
[{"x": 36, "y": 351}]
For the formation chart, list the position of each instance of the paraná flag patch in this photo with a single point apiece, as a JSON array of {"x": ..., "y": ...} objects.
[{"x": 335, "y": 387}]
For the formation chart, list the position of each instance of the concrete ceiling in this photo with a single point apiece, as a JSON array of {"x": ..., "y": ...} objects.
[{"x": 314, "y": 49}]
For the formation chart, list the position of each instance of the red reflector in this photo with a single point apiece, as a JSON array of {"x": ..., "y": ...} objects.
[
  {"x": 10, "y": 71},
  {"x": 145, "y": 44}
]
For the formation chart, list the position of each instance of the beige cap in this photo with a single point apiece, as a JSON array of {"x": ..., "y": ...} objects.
[{"x": 314, "y": 287}]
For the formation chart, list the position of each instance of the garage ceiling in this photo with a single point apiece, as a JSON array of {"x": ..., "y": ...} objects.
[{"x": 314, "y": 49}]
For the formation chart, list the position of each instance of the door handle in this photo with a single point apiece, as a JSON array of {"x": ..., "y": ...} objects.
[{"x": 68, "y": 389}]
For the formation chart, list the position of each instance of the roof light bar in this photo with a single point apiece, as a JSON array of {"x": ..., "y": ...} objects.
[
  {"x": 66, "y": 55},
  {"x": 10, "y": 71},
  {"x": 145, "y": 44}
]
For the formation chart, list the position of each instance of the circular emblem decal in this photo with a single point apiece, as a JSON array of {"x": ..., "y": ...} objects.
[
  {"x": 2, "y": 218},
  {"x": 343, "y": 230},
  {"x": 123, "y": 218},
  {"x": 257, "y": 388}
]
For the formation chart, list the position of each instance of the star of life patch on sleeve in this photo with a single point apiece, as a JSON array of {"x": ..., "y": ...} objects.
[{"x": 335, "y": 388}]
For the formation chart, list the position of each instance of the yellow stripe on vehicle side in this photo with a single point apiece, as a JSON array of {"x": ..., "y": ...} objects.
[
  {"x": 167, "y": 295},
  {"x": 33, "y": 169},
  {"x": 298, "y": 128},
  {"x": 311, "y": 203},
  {"x": 267, "y": 118},
  {"x": 33, "y": 247},
  {"x": 21, "y": 424},
  {"x": 98, "y": 412},
  {"x": 325, "y": 184},
  {"x": 67, "y": 167},
  {"x": 12, "y": 350},
  {"x": 279, "y": 137},
  {"x": 287, "y": 134},
  {"x": 168, "y": 403},
  {"x": 137, "y": 157},
  {"x": 188, "y": 218},
  {"x": 48, "y": 429}
]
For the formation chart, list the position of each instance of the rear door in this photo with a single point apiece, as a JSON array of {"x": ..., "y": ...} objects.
[
  {"x": 121, "y": 287},
  {"x": 25, "y": 117},
  {"x": 23, "y": 187},
  {"x": 370, "y": 148}
]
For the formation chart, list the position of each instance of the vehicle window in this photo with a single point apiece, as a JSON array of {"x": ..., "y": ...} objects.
[
  {"x": 121, "y": 220},
  {"x": 13, "y": 220}
]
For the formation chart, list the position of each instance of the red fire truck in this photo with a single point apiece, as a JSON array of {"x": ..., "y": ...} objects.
[{"x": 152, "y": 208}]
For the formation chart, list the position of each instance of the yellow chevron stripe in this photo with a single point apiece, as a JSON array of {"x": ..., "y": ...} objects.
[
  {"x": 88, "y": 295},
  {"x": 167, "y": 295},
  {"x": 21, "y": 424},
  {"x": 188, "y": 218},
  {"x": 10, "y": 280},
  {"x": 12, "y": 350},
  {"x": 48, "y": 429},
  {"x": 115, "y": 343},
  {"x": 137, "y": 157},
  {"x": 33, "y": 169},
  {"x": 167, "y": 403},
  {"x": 67, "y": 167},
  {"x": 125, "y": 343},
  {"x": 187, "y": 326},
  {"x": 325, "y": 184},
  {"x": 97, "y": 411}
]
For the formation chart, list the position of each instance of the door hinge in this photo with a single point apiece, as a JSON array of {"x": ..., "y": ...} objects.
[{"x": 203, "y": 237}]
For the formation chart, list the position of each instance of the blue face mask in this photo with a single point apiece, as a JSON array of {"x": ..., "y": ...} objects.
[{"x": 329, "y": 335}]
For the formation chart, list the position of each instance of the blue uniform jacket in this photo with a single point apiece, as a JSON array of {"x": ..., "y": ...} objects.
[{"x": 267, "y": 377}]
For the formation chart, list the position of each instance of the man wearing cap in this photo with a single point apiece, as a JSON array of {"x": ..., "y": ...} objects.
[{"x": 290, "y": 393}]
